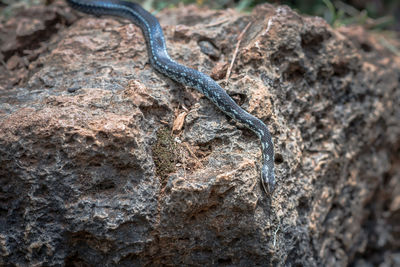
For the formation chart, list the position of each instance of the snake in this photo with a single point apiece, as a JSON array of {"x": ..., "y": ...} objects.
[{"x": 161, "y": 61}]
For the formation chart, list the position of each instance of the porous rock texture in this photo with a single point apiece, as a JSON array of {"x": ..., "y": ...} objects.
[{"x": 105, "y": 162}]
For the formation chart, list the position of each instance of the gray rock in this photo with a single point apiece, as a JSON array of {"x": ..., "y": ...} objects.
[{"x": 95, "y": 176}]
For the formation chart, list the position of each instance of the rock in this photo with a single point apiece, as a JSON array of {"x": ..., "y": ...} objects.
[
  {"x": 92, "y": 174},
  {"x": 25, "y": 36}
]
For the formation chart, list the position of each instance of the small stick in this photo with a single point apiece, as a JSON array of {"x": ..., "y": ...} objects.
[
  {"x": 193, "y": 154},
  {"x": 228, "y": 73},
  {"x": 216, "y": 23}
]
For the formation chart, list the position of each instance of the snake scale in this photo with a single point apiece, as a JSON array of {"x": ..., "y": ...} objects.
[{"x": 161, "y": 61}]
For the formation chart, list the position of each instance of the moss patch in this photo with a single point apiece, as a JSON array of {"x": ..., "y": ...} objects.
[{"x": 165, "y": 153}]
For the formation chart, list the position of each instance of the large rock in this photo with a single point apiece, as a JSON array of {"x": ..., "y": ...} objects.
[{"x": 104, "y": 161}]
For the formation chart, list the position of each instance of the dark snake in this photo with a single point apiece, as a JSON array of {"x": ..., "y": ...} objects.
[{"x": 161, "y": 61}]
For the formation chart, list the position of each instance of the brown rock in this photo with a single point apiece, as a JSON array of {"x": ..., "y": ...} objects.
[
  {"x": 26, "y": 35},
  {"x": 81, "y": 184}
]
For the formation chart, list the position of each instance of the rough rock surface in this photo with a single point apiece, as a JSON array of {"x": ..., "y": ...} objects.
[{"x": 104, "y": 161}]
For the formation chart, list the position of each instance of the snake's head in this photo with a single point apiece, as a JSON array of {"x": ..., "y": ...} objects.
[{"x": 267, "y": 179}]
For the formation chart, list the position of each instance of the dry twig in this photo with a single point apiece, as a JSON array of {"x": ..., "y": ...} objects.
[{"x": 228, "y": 73}]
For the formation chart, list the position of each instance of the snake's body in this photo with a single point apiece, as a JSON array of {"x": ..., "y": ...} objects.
[{"x": 161, "y": 61}]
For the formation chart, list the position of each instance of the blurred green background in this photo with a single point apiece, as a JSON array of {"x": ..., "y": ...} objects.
[{"x": 373, "y": 14}]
